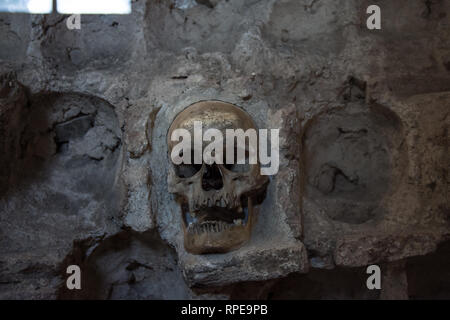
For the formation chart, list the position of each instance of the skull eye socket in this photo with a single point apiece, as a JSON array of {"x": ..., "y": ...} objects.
[
  {"x": 239, "y": 168},
  {"x": 187, "y": 170}
]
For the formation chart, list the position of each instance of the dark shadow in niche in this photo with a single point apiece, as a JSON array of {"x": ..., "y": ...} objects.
[
  {"x": 73, "y": 135},
  {"x": 128, "y": 265},
  {"x": 14, "y": 110},
  {"x": 336, "y": 284},
  {"x": 429, "y": 276},
  {"x": 353, "y": 156},
  {"x": 62, "y": 153}
]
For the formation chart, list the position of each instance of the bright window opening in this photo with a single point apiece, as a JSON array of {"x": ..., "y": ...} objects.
[
  {"x": 67, "y": 6},
  {"x": 94, "y": 6},
  {"x": 27, "y": 6}
]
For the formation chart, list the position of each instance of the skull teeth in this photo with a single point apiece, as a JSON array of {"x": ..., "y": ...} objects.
[
  {"x": 212, "y": 226},
  {"x": 225, "y": 201}
]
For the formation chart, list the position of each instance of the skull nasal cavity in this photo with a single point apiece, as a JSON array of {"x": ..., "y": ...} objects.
[{"x": 212, "y": 178}]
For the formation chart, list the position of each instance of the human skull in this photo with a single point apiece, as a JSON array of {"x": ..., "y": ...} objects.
[{"x": 217, "y": 200}]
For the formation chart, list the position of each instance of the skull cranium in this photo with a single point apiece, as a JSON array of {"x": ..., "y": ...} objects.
[{"x": 217, "y": 200}]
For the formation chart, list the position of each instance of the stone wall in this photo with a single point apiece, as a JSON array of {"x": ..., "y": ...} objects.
[{"x": 363, "y": 161}]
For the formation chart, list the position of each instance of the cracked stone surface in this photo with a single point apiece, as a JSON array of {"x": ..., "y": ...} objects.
[{"x": 363, "y": 148}]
